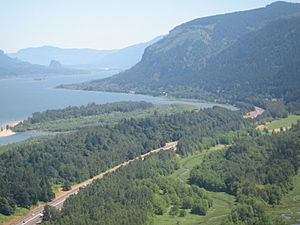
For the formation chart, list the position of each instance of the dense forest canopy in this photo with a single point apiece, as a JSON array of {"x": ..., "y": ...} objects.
[
  {"x": 134, "y": 195},
  {"x": 28, "y": 171},
  {"x": 256, "y": 169},
  {"x": 74, "y": 118},
  {"x": 88, "y": 110}
]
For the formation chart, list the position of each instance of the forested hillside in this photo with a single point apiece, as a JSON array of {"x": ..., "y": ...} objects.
[
  {"x": 137, "y": 163},
  {"x": 256, "y": 169},
  {"x": 29, "y": 171},
  {"x": 134, "y": 195},
  {"x": 263, "y": 64},
  {"x": 228, "y": 57}
]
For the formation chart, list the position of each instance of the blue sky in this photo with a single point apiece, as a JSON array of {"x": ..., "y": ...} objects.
[{"x": 101, "y": 24}]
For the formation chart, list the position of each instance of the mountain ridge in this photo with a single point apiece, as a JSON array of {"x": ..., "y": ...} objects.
[
  {"x": 71, "y": 57},
  {"x": 15, "y": 67},
  {"x": 184, "y": 62}
]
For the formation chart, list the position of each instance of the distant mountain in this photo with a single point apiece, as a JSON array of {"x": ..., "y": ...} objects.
[
  {"x": 14, "y": 67},
  {"x": 85, "y": 58},
  {"x": 45, "y": 54},
  {"x": 126, "y": 57},
  {"x": 235, "y": 56},
  {"x": 55, "y": 64}
]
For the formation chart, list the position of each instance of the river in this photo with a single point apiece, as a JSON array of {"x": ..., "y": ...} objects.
[{"x": 21, "y": 96}]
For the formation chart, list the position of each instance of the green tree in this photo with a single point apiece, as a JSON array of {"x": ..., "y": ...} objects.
[
  {"x": 182, "y": 213},
  {"x": 200, "y": 208},
  {"x": 49, "y": 213},
  {"x": 6, "y": 207},
  {"x": 159, "y": 205},
  {"x": 174, "y": 210},
  {"x": 67, "y": 186}
]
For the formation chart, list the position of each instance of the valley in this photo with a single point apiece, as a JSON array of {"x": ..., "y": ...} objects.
[
  {"x": 223, "y": 203},
  {"x": 105, "y": 121}
]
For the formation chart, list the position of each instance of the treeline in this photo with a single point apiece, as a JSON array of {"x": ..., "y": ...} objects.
[
  {"x": 28, "y": 171},
  {"x": 133, "y": 195},
  {"x": 88, "y": 110},
  {"x": 112, "y": 118},
  {"x": 274, "y": 108},
  {"x": 258, "y": 168}
]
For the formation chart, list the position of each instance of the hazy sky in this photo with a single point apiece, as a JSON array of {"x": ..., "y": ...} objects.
[{"x": 101, "y": 24}]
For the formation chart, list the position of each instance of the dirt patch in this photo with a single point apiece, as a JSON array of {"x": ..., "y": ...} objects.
[{"x": 253, "y": 114}]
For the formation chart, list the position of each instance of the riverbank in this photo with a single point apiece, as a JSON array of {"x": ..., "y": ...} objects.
[
  {"x": 5, "y": 129},
  {"x": 6, "y": 133}
]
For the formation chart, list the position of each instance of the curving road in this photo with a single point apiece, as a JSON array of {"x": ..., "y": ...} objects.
[{"x": 35, "y": 215}]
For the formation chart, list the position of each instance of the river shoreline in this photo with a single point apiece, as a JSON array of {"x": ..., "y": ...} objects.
[{"x": 6, "y": 130}]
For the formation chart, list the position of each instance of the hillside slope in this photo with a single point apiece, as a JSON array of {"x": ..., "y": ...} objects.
[
  {"x": 218, "y": 57},
  {"x": 265, "y": 62}
]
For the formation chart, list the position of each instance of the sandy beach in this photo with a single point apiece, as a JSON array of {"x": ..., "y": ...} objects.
[{"x": 8, "y": 132}]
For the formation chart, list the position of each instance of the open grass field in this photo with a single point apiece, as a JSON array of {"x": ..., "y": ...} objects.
[
  {"x": 289, "y": 209},
  {"x": 285, "y": 122},
  {"x": 223, "y": 202},
  {"x": 187, "y": 163}
]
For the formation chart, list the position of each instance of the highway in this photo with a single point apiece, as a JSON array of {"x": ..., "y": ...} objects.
[{"x": 34, "y": 217}]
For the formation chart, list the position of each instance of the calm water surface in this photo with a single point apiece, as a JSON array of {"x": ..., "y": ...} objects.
[{"x": 20, "y": 97}]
